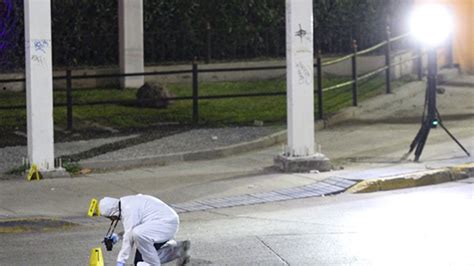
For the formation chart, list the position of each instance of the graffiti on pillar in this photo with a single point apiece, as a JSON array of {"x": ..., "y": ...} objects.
[
  {"x": 41, "y": 45},
  {"x": 301, "y": 33},
  {"x": 39, "y": 50},
  {"x": 304, "y": 74},
  {"x": 40, "y": 60}
]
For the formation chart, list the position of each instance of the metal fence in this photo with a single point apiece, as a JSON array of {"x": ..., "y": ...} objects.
[{"x": 194, "y": 70}]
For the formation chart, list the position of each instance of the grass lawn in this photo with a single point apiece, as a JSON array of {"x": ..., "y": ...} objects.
[{"x": 215, "y": 112}]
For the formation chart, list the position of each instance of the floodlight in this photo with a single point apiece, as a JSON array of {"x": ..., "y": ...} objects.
[{"x": 431, "y": 24}]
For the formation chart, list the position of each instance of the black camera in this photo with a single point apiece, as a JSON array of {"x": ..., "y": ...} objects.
[{"x": 108, "y": 242}]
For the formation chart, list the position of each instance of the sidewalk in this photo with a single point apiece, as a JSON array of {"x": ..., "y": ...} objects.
[{"x": 369, "y": 147}]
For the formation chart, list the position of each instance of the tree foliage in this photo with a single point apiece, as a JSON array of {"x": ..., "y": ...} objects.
[{"x": 85, "y": 32}]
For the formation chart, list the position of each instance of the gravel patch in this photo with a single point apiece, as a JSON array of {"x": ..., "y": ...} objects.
[
  {"x": 11, "y": 157},
  {"x": 193, "y": 140}
]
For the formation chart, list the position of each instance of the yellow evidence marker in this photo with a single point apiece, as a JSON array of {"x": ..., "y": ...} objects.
[
  {"x": 33, "y": 173},
  {"x": 93, "y": 208},
  {"x": 96, "y": 258}
]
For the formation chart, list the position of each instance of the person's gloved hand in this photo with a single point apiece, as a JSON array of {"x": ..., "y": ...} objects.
[
  {"x": 115, "y": 238},
  {"x": 120, "y": 263}
]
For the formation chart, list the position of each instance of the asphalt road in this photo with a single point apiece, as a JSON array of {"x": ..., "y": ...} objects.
[{"x": 430, "y": 225}]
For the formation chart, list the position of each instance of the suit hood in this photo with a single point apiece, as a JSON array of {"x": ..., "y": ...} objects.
[{"x": 109, "y": 207}]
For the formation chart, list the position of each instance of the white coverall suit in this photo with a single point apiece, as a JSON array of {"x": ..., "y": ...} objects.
[{"x": 146, "y": 221}]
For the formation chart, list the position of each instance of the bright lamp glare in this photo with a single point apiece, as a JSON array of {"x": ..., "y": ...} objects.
[{"x": 431, "y": 24}]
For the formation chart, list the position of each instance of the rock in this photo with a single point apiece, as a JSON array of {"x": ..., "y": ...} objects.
[
  {"x": 440, "y": 90},
  {"x": 153, "y": 96}
]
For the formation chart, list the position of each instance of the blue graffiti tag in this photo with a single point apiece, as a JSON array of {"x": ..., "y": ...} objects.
[{"x": 41, "y": 45}]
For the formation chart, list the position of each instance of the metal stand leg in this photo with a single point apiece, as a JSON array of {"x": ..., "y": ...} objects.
[
  {"x": 451, "y": 135},
  {"x": 425, "y": 130}
]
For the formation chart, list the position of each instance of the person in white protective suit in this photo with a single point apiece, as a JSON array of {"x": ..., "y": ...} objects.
[{"x": 150, "y": 225}]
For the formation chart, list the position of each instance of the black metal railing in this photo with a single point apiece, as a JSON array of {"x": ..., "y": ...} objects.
[{"x": 195, "y": 71}]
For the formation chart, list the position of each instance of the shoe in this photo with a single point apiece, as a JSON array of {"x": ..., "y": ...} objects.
[
  {"x": 183, "y": 260},
  {"x": 186, "y": 245},
  {"x": 184, "y": 257}
]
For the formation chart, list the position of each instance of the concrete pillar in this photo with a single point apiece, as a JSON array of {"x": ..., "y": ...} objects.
[
  {"x": 300, "y": 154},
  {"x": 131, "y": 52},
  {"x": 299, "y": 77},
  {"x": 39, "y": 83}
]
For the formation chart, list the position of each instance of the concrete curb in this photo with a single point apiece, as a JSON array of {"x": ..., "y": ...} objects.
[
  {"x": 416, "y": 179},
  {"x": 264, "y": 142},
  {"x": 458, "y": 84}
]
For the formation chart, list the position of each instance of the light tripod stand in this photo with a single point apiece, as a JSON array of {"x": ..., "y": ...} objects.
[{"x": 431, "y": 117}]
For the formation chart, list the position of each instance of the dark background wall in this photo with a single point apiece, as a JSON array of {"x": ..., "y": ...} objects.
[{"x": 86, "y": 34}]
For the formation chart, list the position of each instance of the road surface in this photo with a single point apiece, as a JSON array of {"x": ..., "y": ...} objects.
[{"x": 430, "y": 225}]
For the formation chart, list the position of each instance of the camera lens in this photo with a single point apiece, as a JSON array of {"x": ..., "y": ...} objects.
[{"x": 109, "y": 243}]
